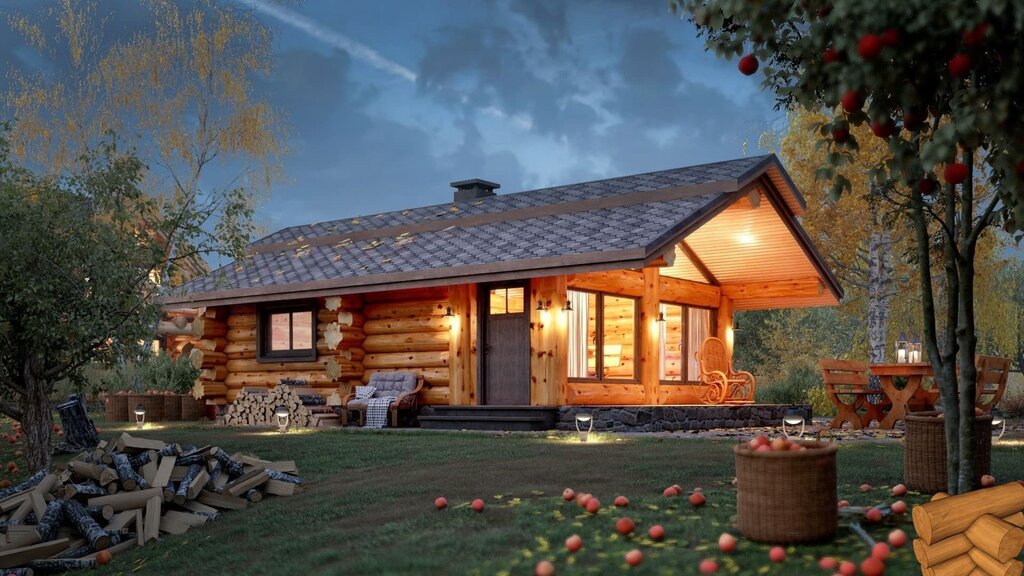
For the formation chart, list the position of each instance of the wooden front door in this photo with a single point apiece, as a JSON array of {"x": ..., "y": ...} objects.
[{"x": 505, "y": 309}]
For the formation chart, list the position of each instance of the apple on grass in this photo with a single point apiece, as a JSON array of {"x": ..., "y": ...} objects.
[
  {"x": 708, "y": 566},
  {"x": 727, "y": 543},
  {"x": 656, "y": 532},
  {"x": 897, "y": 538},
  {"x": 544, "y": 568},
  {"x": 634, "y": 557},
  {"x": 625, "y": 526},
  {"x": 777, "y": 554},
  {"x": 573, "y": 543}
]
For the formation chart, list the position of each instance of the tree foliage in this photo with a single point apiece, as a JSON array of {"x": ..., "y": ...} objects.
[{"x": 942, "y": 85}]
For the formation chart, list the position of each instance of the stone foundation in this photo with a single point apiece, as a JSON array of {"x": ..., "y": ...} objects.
[{"x": 675, "y": 418}]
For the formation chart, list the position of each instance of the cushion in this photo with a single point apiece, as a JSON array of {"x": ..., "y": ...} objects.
[
  {"x": 393, "y": 383},
  {"x": 365, "y": 391},
  {"x": 354, "y": 404}
]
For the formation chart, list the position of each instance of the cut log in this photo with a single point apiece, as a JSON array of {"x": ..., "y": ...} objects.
[
  {"x": 254, "y": 496},
  {"x": 86, "y": 526},
  {"x": 208, "y": 328},
  {"x": 151, "y": 521},
  {"x": 130, "y": 442},
  {"x": 995, "y": 567},
  {"x": 61, "y": 564},
  {"x": 956, "y": 566},
  {"x": 163, "y": 472},
  {"x": 282, "y": 477},
  {"x": 27, "y": 484},
  {"x": 279, "y": 488},
  {"x": 201, "y": 509},
  {"x": 246, "y": 481},
  {"x": 126, "y": 500},
  {"x": 50, "y": 521},
  {"x": 167, "y": 328},
  {"x": 233, "y": 467},
  {"x": 222, "y": 501},
  {"x": 79, "y": 431},
  {"x": 205, "y": 359},
  {"x": 140, "y": 459},
  {"x": 130, "y": 480},
  {"x": 72, "y": 490},
  {"x": 212, "y": 344},
  {"x": 182, "y": 493},
  {"x": 101, "y": 474},
  {"x": 98, "y": 513},
  {"x": 940, "y": 519},
  {"x": 995, "y": 537},
  {"x": 24, "y": 555},
  {"x": 187, "y": 518},
  {"x": 1015, "y": 519}
]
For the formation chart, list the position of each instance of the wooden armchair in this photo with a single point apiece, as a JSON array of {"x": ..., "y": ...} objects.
[
  {"x": 404, "y": 386},
  {"x": 849, "y": 378},
  {"x": 993, "y": 373},
  {"x": 720, "y": 383}
]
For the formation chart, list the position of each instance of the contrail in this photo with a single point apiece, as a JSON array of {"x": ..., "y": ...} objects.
[{"x": 332, "y": 38}]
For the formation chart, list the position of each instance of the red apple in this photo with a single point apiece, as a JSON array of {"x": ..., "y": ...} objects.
[
  {"x": 625, "y": 526},
  {"x": 830, "y": 55},
  {"x": 669, "y": 492},
  {"x": 897, "y": 538},
  {"x": 840, "y": 135},
  {"x": 959, "y": 65},
  {"x": 873, "y": 515},
  {"x": 899, "y": 507},
  {"x": 780, "y": 444},
  {"x": 828, "y": 563},
  {"x": 56, "y": 428},
  {"x": 11, "y": 465},
  {"x": 870, "y": 46},
  {"x": 477, "y": 505},
  {"x": 880, "y": 550},
  {"x": 865, "y": 487},
  {"x": 843, "y": 504},
  {"x": 634, "y": 557},
  {"x": 955, "y": 172},
  {"x": 573, "y": 543},
  {"x": 851, "y": 101},
  {"x": 544, "y": 568},
  {"x": 976, "y": 36},
  {"x": 988, "y": 480},
  {"x": 872, "y": 567},
  {"x": 621, "y": 501},
  {"x": 593, "y": 505},
  {"x": 777, "y": 554},
  {"x": 890, "y": 37},
  {"x": 726, "y": 543},
  {"x": 568, "y": 495},
  {"x": 761, "y": 440},
  {"x": 656, "y": 532},
  {"x": 763, "y": 448},
  {"x": 883, "y": 128},
  {"x": 697, "y": 499},
  {"x": 847, "y": 568},
  {"x": 582, "y": 499},
  {"x": 678, "y": 489},
  {"x": 899, "y": 490},
  {"x": 927, "y": 186},
  {"x": 796, "y": 447},
  {"x": 748, "y": 64},
  {"x": 440, "y": 503},
  {"x": 708, "y": 566}
]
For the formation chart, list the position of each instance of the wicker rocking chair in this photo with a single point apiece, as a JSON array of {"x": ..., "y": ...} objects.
[{"x": 720, "y": 384}]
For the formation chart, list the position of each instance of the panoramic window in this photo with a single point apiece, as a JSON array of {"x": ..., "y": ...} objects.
[
  {"x": 605, "y": 323},
  {"x": 287, "y": 334},
  {"x": 682, "y": 333}
]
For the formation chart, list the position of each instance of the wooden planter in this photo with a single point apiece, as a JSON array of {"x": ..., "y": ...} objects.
[
  {"x": 115, "y": 408},
  {"x": 924, "y": 451},
  {"x": 191, "y": 409},
  {"x": 787, "y": 497},
  {"x": 172, "y": 407},
  {"x": 154, "y": 405}
]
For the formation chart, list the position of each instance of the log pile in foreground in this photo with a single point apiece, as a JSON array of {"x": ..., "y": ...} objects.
[
  {"x": 256, "y": 406},
  {"x": 125, "y": 495},
  {"x": 977, "y": 533}
]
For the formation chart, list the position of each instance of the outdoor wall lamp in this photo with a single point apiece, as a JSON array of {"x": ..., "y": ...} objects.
[
  {"x": 543, "y": 306},
  {"x": 140, "y": 416},
  {"x": 568, "y": 306},
  {"x": 448, "y": 313},
  {"x": 793, "y": 417},
  {"x": 587, "y": 420},
  {"x": 661, "y": 317},
  {"x": 998, "y": 421},
  {"x": 282, "y": 414}
]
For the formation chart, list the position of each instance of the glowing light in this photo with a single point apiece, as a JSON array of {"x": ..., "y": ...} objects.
[{"x": 746, "y": 238}]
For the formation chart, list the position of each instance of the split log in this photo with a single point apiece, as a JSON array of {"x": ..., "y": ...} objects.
[
  {"x": 182, "y": 493},
  {"x": 50, "y": 521},
  {"x": 279, "y": 488},
  {"x": 163, "y": 472},
  {"x": 87, "y": 527},
  {"x": 130, "y": 480},
  {"x": 151, "y": 520},
  {"x": 995, "y": 567},
  {"x": 229, "y": 465},
  {"x": 247, "y": 481},
  {"x": 127, "y": 441},
  {"x": 200, "y": 509},
  {"x": 126, "y": 500},
  {"x": 187, "y": 518},
  {"x": 222, "y": 501},
  {"x": 280, "y": 466},
  {"x": 24, "y": 555},
  {"x": 995, "y": 537},
  {"x": 213, "y": 469},
  {"x": 282, "y": 477},
  {"x": 197, "y": 484},
  {"x": 101, "y": 474},
  {"x": 940, "y": 519}
]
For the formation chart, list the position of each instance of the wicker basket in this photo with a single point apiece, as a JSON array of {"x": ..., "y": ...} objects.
[
  {"x": 924, "y": 450},
  {"x": 787, "y": 497},
  {"x": 191, "y": 409},
  {"x": 154, "y": 405},
  {"x": 172, "y": 407},
  {"x": 115, "y": 408}
]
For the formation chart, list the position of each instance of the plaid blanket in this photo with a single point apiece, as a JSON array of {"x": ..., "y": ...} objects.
[{"x": 377, "y": 411}]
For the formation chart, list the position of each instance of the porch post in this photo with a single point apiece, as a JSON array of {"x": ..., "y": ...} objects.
[
  {"x": 462, "y": 361},
  {"x": 650, "y": 334},
  {"x": 724, "y": 330},
  {"x": 549, "y": 342}
]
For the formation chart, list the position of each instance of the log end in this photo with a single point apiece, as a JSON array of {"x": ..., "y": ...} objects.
[{"x": 922, "y": 524}]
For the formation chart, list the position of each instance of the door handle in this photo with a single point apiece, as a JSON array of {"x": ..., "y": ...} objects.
[{"x": 487, "y": 349}]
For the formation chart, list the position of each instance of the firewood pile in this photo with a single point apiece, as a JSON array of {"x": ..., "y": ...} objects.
[
  {"x": 124, "y": 495},
  {"x": 978, "y": 533},
  {"x": 256, "y": 407}
]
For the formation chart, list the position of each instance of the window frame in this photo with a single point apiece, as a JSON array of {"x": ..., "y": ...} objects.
[
  {"x": 599, "y": 344},
  {"x": 263, "y": 334},
  {"x": 685, "y": 342}
]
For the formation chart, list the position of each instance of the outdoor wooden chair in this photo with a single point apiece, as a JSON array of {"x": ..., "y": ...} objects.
[
  {"x": 993, "y": 373},
  {"x": 404, "y": 386},
  {"x": 720, "y": 384},
  {"x": 846, "y": 382}
]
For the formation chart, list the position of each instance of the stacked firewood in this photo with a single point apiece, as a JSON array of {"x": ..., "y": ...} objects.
[
  {"x": 257, "y": 406},
  {"x": 124, "y": 495},
  {"x": 977, "y": 533}
]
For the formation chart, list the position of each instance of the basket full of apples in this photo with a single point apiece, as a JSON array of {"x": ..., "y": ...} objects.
[{"x": 786, "y": 490}]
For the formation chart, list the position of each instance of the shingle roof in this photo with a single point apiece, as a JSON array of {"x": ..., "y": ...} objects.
[{"x": 585, "y": 223}]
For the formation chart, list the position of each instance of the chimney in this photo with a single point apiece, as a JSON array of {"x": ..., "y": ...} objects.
[{"x": 473, "y": 189}]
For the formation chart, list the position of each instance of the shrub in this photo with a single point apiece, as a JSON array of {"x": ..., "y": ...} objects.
[
  {"x": 798, "y": 377},
  {"x": 1012, "y": 403},
  {"x": 154, "y": 372},
  {"x": 821, "y": 404}
]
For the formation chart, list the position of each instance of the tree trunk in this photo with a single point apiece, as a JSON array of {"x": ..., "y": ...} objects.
[
  {"x": 967, "y": 338},
  {"x": 37, "y": 421}
]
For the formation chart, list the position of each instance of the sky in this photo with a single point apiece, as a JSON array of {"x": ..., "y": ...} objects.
[{"x": 388, "y": 101}]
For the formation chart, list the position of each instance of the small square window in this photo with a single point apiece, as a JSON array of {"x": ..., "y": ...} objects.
[{"x": 287, "y": 334}]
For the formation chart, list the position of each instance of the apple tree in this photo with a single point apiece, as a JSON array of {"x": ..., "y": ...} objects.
[{"x": 942, "y": 83}]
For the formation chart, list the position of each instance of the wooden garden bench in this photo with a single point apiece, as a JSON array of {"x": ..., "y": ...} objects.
[
  {"x": 849, "y": 378},
  {"x": 405, "y": 386},
  {"x": 993, "y": 373},
  {"x": 720, "y": 384}
]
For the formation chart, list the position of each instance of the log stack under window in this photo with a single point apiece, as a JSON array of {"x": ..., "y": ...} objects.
[
  {"x": 979, "y": 533},
  {"x": 60, "y": 521},
  {"x": 256, "y": 406}
]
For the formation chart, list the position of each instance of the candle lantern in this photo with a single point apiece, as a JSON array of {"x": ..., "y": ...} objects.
[
  {"x": 901, "y": 348},
  {"x": 914, "y": 350}
]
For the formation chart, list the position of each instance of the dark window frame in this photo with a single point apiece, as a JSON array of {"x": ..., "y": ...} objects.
[
  {"x": 685, "y": 341},
  {"x": 599, "y": 345},
  {"x": 263, "y": 334}
]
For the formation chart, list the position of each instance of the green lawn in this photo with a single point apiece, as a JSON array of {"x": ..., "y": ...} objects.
[{"x": 369, "y": 506}]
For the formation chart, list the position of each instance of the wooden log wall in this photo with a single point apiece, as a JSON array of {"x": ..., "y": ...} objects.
[
  {"x": 408, "y": 330},
  {"x": 549, "y": 342},
  {"x": 207, "y": 352}
]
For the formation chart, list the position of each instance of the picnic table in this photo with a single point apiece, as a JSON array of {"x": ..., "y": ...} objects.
[{"x": 911, "y": 393}]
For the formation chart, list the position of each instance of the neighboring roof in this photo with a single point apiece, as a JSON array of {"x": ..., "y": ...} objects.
[{"x": 613, "y": 223}]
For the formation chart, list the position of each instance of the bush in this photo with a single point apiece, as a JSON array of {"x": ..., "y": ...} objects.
[
  {"x": 1012, "y": 403},
  {"x": 821, "y": 404},
  {"x": 154, "y": 372},
  {"x": 798, "y": 379}
]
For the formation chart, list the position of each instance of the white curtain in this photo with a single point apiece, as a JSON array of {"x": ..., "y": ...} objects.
[
  {"x": 662, "y": 339},
  {"x": 578, "y": 334},
  {"x": 697, "y": 330}
]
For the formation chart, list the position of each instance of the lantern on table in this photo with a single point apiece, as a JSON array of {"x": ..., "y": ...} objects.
[
  {"x": 914, "y": 350},
  {"x": 901, "y": 348}
]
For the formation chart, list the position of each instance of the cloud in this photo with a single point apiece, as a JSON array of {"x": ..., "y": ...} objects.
[{"x": 332, "y": 38}]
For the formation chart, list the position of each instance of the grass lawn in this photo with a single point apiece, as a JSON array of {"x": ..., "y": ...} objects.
[{"x": 369, "y": 507}]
